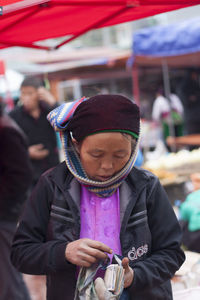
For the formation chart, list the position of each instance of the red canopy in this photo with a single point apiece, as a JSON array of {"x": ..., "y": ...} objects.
[{"x": 23, "y": 22}]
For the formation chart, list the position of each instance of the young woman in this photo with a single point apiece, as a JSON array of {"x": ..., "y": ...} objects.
[{"x": 97, "y": 203}]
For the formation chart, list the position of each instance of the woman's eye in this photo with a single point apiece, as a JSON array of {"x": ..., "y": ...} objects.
[
  {"x": 95, "y": 155},
  {"x": 120, "y": 156}
]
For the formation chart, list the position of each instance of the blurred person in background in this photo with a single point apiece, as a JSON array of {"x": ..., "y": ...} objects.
[
  {"x": 189, "y": 92},
  {"x": 15, "y": 178},
  {"x": 168, "y": 112},
  {"x": 31, "y": 115},
  {"x": 190, "y": 216},
  {"x": 36, "y": 102}
]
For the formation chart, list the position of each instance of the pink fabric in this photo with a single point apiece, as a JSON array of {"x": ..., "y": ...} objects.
[{"x": 100, "y": 219}]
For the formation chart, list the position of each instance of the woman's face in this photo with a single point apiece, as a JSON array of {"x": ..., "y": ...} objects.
[{"x": 104, "y": 154}]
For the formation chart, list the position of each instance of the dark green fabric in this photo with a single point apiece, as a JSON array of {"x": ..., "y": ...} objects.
[{"x": 117, "y": 130}]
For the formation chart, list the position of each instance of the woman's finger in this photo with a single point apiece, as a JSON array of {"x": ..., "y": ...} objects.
[
  {"x": 100, "y": 246},
  {"x": 125, "y": 263}
]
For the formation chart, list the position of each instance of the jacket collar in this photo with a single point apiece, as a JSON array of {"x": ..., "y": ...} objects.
[{"x": 129, "y": 189}]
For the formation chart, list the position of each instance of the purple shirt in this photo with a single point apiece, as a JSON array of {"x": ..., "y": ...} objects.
[{"x": 100, "y": 219}]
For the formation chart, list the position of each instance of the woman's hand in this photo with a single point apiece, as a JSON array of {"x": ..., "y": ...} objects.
[
  {"x": 85, "y": 252},
  {"x": 128, "y": 272}
]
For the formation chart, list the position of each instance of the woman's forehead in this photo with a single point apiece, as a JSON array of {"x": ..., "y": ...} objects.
[{"x": 102, "y": 140}]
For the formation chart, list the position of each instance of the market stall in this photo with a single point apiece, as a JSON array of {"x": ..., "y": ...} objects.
[
  {"x": 167, "y": 46},
  {"x": 185, "y": 283},
  {"x": 175, "y": 170},
  {"x": 186, "y": 140},
  {"x": 175, "y": 45}
]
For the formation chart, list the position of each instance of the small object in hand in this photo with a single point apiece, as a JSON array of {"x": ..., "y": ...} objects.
[{"x": 114, "y": 278}]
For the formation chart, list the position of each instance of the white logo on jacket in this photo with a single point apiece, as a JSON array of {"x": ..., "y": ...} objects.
[{"x": 136, "y": 253}]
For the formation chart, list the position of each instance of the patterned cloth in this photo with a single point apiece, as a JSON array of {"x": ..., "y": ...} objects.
[{"x": 61, "y": 115}]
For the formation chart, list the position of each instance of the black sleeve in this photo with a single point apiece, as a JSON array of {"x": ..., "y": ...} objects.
[
  {"x": 15, "y": 168},
  {"x": 15, "y": 115},
  {"x": 166, "y": 255},
  {"x": 31, "y": 252}
]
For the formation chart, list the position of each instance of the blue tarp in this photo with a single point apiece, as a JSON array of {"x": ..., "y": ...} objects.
[{"x": 168, "y": 40}]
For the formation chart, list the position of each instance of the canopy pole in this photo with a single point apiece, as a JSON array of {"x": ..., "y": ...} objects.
[
  {"x": 167, "y": 90},
  {"x": 136, "y": 90},
  {"x": 5, "y": 43},
  {"x": 10, "y": 8}
]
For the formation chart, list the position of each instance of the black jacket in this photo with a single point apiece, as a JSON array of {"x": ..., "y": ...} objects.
[
  {"x": 15, "y": 169},
  {"x": 150, "y": 234}
]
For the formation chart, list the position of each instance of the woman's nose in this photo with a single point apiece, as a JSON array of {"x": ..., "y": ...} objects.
[{"x": 107, "y": 164}]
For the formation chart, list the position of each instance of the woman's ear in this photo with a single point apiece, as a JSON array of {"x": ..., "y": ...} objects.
[{"x": 76, "y": 145}]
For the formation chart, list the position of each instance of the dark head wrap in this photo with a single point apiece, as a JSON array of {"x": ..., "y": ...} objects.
[{"x": 105, "y": 113}]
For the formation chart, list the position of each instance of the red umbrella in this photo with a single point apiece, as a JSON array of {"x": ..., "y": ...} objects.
[{"x": 23, "y": 22}]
